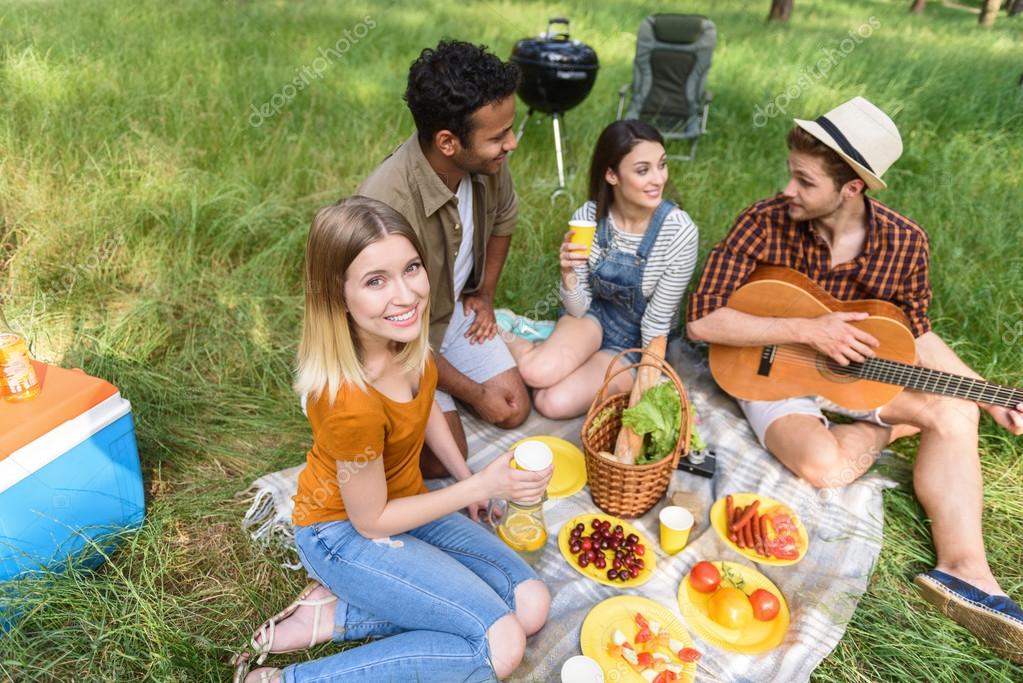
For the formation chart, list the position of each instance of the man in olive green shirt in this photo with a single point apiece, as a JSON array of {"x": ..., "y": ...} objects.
[{"x": 451, "y": 181}]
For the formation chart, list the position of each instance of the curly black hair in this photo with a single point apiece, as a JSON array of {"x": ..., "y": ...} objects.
[{"x": 448, "y": 83}]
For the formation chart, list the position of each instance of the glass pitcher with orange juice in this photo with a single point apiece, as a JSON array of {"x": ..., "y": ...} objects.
[{"x": 520, "y": 523}]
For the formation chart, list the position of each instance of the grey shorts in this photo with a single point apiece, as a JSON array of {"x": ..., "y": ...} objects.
[
  {"x": 478, "y": 362},
  {"x": 761, "y": 414}
]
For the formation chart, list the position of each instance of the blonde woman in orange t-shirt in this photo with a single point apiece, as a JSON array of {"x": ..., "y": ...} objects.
[{"x": 446, "y": 598}]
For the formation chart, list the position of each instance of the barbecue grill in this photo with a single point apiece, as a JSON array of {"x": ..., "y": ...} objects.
[{"x": 557, "y": 74}]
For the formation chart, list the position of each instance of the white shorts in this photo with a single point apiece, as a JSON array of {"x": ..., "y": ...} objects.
[
  {"x": 761, "y": 414},
  {"x": 478, "y": 362}
]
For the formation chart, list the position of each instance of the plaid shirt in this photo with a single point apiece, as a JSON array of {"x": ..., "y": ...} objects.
[{"x": 893, "y": 265}]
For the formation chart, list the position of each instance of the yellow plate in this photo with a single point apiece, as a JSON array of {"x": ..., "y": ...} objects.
[
  {"x": 619, "y": 613},
  {"x": 717, "y": 520},
  {"x": 600, "y": 575},
  {"x": 569, "y": 466},
  {"x": 758, "y": 636}
]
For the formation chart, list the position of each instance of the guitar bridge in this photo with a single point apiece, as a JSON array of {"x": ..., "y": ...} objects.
[{"x": 767, "y": 360}]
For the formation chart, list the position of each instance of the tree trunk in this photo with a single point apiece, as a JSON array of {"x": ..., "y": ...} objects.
[
  {"x": 918, "y": 6},
  {"x": 1014, "y": 7},
  {"x": 781, "y": 10},
  {"x": 988, "y": 12}
]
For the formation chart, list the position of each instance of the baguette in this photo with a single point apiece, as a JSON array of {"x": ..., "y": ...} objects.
[{"x": 629, "y": 445}]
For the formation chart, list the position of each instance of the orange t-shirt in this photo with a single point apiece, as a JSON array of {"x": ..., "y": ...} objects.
[{"x": 361, "y": 426}]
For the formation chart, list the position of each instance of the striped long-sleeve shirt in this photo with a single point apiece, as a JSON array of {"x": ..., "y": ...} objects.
[{"x": 668, "y": 270}]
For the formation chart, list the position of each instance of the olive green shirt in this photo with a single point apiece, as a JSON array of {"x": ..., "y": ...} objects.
[{"x": 406, "y": 182}]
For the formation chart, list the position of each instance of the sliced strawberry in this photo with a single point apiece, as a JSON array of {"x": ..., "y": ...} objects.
[
  {"x": 645, "y": 659},
  {"x": 644, "y": 635},
  {"x": 689, "y": 655}
]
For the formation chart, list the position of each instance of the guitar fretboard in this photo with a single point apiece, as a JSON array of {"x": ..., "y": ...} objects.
[{"x": 935, "y": 382}]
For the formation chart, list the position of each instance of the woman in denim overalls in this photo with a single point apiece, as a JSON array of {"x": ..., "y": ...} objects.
[{"x": 609, "y": 303}]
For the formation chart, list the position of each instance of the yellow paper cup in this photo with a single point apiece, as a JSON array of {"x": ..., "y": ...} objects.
[
  {"x": 676, "y": 523},
  {"x": 583, "y": 232}
]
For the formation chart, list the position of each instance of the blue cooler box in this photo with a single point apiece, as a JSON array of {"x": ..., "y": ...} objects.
[{"x": 74, "y": 482}]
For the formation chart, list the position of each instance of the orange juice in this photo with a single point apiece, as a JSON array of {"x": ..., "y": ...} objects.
[{"x": 18, "y": 381}]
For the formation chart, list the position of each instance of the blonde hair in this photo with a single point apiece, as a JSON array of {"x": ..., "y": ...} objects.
[{"x": 329, "y": 354}]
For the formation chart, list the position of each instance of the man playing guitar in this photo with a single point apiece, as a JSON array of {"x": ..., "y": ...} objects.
[{"x": 824, "y": 226}]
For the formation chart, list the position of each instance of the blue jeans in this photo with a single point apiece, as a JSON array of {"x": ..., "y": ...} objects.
[{"x": 431, "y": 594}]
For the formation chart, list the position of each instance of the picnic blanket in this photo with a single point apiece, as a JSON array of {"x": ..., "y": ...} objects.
[{"x": 844, "y": 524}]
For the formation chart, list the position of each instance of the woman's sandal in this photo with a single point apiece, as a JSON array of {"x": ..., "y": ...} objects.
[{"x": 263, "y": 639}]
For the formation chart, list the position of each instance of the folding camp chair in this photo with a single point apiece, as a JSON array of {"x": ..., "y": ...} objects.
[{"x": 673, "y": 55}]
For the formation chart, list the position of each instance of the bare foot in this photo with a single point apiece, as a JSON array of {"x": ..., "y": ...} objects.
[
  {"x": 264, "y": 675},
  {"x": 296, "y": 632}
]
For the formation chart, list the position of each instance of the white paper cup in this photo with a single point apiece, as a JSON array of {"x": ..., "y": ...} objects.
[
  {"x": 581, "y": 669},
  {"x": 534, "y": 456}
]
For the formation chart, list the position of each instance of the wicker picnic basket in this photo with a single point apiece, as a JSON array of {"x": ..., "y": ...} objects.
[{"x": 617, "y": 488}]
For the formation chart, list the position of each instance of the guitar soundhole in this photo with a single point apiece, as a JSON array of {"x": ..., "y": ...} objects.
[{"x": 833, "y": 372}]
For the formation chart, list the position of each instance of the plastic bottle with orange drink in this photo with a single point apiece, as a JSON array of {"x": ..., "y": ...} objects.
[{"x": 18, "y": 380}]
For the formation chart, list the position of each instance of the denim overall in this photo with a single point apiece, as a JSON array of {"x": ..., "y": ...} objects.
[{"x": 616, "y": 285}]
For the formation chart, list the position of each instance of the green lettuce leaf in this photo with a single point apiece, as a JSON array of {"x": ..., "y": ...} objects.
[{"x": 656, "y": 417}]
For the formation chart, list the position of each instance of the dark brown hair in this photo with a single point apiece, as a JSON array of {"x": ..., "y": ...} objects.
[
  {"x": 614, "y": 143},
  {"x": 835, "y": 166}
]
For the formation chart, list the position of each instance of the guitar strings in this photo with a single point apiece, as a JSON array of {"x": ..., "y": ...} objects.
[
  {"x": 915, "y": 377},
  {"x": 912, "y": 376}
]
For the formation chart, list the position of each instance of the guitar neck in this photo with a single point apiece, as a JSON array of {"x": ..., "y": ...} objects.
[{"x": 936, "y": 382}]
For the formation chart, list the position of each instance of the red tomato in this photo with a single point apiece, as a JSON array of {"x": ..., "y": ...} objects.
[
  {"x": 689, "y": 655},
  {"x": 705, "y": 577},
  {"x": 765, "y": 605},
  {"x": 645, "y": 659}
]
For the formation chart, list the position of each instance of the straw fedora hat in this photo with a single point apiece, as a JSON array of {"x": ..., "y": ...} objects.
[{"x": 862, "y": 134}]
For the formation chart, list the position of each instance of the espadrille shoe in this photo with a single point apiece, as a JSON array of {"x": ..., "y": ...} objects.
[{"x": 996, "y": 620}]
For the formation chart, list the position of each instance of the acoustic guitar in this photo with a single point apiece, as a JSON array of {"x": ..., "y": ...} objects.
[{"x": 769, "y": 373}]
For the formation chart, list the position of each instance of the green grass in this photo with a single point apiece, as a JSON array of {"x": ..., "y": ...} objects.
[{"x": 151, "y": 236}]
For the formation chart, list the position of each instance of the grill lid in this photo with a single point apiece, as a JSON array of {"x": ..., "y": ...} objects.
[{"x": 555, "y": 49}]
